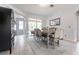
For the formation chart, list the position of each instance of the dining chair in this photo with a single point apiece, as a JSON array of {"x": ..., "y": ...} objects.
[
  {"x": 38, "y": 34},
  {"x": 57, "y": 37},
  {"x": 51, "y": 35}
]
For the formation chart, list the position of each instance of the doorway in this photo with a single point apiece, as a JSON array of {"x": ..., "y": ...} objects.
[{"x": 20, "y": 26}]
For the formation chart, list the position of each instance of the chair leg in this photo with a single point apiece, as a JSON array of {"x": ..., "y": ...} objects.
[
  {"x": 48, "y": 43},
  {"x": 58, "y": 43},
  {"x": 11, "y": 50},
  {"x": 53, "y": 44}
]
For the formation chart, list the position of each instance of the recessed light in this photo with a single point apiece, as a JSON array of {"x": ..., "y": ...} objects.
[{"x": 51, "y": 5}]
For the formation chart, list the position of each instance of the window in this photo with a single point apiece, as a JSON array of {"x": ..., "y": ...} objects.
[
  {"x": 20, "y": 25},
  {"x": 34, "y": 23}
]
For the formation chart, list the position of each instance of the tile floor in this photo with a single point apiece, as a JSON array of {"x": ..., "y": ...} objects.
[{"x": 29, "y": 46}]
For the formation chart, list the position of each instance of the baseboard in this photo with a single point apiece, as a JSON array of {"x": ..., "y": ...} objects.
[{"x": 72, "y": 41}]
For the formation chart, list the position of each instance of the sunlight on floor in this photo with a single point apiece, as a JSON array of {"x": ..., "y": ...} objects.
[{"x": 20, "y": 40}]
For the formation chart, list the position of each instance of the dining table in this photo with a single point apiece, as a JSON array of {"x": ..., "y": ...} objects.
[{"x": 49, "y": 38}]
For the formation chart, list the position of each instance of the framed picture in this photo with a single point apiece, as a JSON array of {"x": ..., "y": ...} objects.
[{"x": 55, "y": 22}]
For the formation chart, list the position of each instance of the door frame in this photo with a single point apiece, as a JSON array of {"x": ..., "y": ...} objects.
[{"x": 20, "y": 32}]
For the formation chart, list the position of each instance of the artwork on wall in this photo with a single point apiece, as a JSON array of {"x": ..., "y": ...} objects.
[{"x": 54, "y": 22}]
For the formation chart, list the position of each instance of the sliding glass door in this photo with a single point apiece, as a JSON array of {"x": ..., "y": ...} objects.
[{"x": 34, "y": 23}]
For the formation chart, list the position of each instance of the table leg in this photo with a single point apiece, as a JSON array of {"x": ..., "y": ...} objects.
[{"x": 48, "y": 42}]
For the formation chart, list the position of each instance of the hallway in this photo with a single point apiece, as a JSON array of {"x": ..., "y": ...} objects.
[{"x": 29, "y": 46}]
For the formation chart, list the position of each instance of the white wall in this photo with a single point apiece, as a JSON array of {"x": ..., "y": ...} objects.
[{"x": 68, "y": 19}]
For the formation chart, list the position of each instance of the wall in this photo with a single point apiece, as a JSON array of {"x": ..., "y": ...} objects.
[{"x": 68, "y": 20}]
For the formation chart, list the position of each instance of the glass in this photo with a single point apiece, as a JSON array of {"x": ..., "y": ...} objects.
[{"x": 20, "y": 25}]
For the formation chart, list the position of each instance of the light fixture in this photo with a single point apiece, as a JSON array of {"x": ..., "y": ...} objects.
[
  {"x": 51, "y": 5},
  {"x": 43, "y": 5}
]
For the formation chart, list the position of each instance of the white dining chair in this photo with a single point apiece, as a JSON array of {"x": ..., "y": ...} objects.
[{"x": 57, "y": 37}]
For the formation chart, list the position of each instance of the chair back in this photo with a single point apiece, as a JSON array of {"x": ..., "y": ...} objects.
[
  {"x": 58, "y": 33},
  {"x": 52, "y": 30},
  {"x": 38, "y": 32},
  {"x": 44, "y": 30}
]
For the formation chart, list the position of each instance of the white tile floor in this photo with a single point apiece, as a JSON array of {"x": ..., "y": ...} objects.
[{"x": 28, "y": 46}]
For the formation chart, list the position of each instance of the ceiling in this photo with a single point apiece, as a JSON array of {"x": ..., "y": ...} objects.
[
  {"x": 40, "y": 10},
  {"x": 34, "y": 9}
]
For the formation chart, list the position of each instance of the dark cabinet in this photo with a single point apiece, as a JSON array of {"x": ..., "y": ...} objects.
[{"x": 5, "y": 28}]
